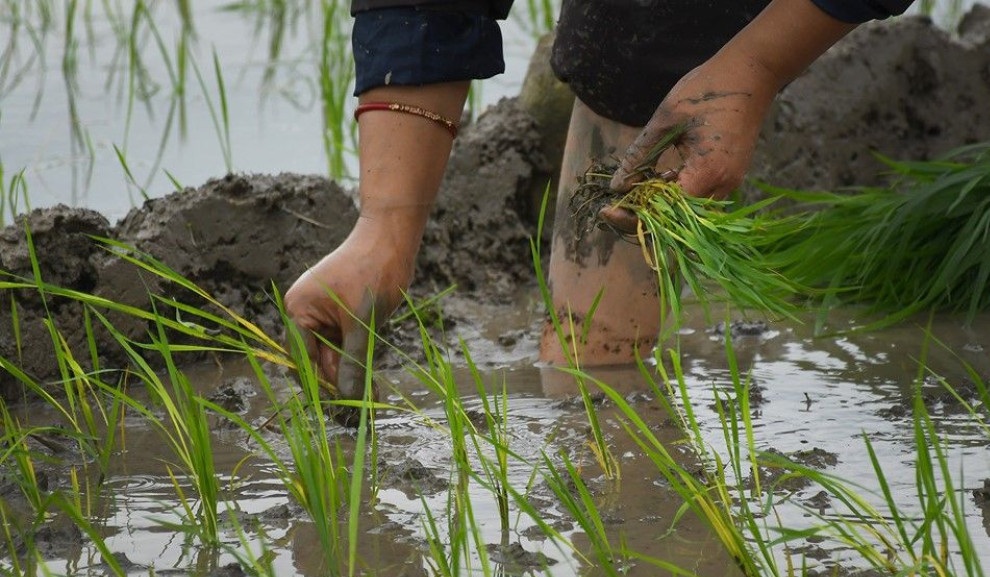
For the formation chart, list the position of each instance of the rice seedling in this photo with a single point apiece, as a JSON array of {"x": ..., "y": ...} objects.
[
  {"x": 929, "y": 538},
  {"x": 875, "y": 527},
  {"x": 318, "y": 476},
  {"x": 328, "y": 480},
  {"x": 70, "y": 504},
  {"x": 131, "y": 181},
  {"x": 538, "y": 18},
  {"x": 16, "y": 454},
  {"x": 451, "y": 542},
  {"x": 184, "y": 426},
  {"x": 315, "y": 476},
  {"x": 543, "y": 15},
  {"x": 9, "y": 540},
  {"x": 87, "y": 422},
  {"x": 257, "y": 564},
  {"x": 10, "y": 194},
  {"x": 219, "y": 113},
  {"x": 319, "y": 472},
  {"x": 919, "y": 244},
  {"x": 570, "y": 345},
  {"x": 481, "y": 457},
  {"x": 20, "y": 464},
  {"x": 702, "y": 240},
  {"x": 177, "y": 68},
  {"x": 575, "y": 497},
  {"x": 948, "y": 12},
  {"x": 335, "y": 76}
]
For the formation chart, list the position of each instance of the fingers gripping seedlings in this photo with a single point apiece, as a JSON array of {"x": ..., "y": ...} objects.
[{"x": 701, "y": 240}]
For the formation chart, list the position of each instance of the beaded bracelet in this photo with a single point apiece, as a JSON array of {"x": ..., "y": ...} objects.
[{"x": 448, "y": 124}]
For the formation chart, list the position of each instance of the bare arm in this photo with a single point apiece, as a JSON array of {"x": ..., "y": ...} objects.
[
  {"x": 723, "y": 102},
  {"x": 402, "y": 161}
]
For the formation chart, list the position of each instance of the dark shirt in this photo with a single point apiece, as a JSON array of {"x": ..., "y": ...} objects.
[
  {"x": 498, "y": 9},
  {"x": 858, "y": 11},
  {"x": 621, "y": 57},
  {"x": 853, "y": 11}
]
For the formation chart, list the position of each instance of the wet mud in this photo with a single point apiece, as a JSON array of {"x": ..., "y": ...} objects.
[{"x": 903, "y": 89}]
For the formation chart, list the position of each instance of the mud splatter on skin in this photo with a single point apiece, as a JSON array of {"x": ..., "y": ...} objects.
[
  {"x": 577, "y": 222},
  {"x": 713, "y": 95}
]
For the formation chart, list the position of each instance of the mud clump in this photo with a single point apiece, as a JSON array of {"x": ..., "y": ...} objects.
[
  {"x": 902, "y": 88},
  {"x": 60, "y": 237},
  {"x": 480, "y": 230},
  {"x": 234, "y": 237}
]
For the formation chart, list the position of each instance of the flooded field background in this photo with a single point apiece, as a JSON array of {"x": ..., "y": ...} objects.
[
  {"x": 62, "y": 125},
  {"x": 816, "y": 394},
  {"x": 64, "y": 120}
]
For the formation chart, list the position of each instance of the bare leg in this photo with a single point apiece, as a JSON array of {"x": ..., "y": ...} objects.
[{"x": 584, "y": 263}]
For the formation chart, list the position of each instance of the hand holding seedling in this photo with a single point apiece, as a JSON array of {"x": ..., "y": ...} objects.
[{"x": 717, "y": 109}]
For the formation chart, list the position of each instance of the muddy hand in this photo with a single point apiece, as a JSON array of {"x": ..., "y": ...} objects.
[
  {"x": 332, "y": 305},
  {"x": 722, "y": 102},
  {"x": 338, "y": 349}
]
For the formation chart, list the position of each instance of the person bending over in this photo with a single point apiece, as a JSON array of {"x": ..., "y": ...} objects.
[{"x": 638, "y": 69}]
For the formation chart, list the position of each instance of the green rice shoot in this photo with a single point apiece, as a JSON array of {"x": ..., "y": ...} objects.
[
  {"x": 919, "y": 244},
  {"x": 704, "y": 241}
]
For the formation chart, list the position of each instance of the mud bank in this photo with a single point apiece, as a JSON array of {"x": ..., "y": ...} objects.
[
  {"x": 902, "y": 88},
  {"x": 239, "y": 236},
  {"x": 905, "y": 89}
]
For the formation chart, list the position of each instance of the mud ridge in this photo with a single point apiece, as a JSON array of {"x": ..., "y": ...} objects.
[{"x": 903, "y": 88}]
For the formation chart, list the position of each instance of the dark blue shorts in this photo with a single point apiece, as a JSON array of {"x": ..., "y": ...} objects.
[{"x": 414, "y": 46}]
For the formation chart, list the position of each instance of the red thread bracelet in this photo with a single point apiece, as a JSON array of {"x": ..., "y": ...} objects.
[{"x": 449, "y": 125}]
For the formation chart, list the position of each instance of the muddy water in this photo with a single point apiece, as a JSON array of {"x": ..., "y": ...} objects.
[{"x": 817, "y": 397}]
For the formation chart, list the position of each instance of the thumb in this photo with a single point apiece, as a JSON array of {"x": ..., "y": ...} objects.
[
  {"x": 630, "y": 167},
  {"x": 352, "y": 369},
  {"x": 644, "y": 152}
]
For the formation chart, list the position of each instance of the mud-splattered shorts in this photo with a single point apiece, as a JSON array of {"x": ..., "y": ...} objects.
[{"x": 410, "y": 46}]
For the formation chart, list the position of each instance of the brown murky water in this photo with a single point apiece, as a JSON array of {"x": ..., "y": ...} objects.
[{"x": 819, "y": 396}]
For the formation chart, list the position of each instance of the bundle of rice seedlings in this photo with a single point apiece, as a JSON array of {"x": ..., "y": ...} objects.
[
  {"x": 712, "y": 241},
  {"x": 703, "y": 241},
  {"x": 920, "y": 244}
]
